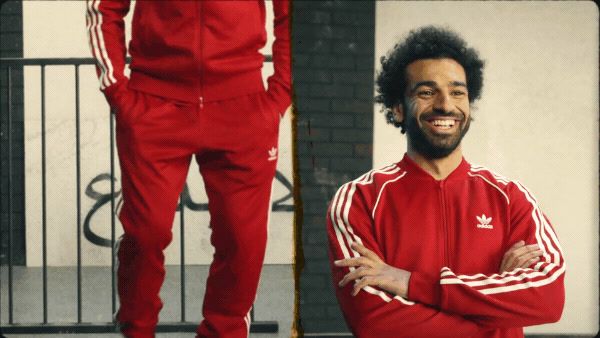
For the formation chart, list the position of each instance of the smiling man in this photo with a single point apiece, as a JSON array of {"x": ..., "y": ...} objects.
[{"x": 433, "y": 246}]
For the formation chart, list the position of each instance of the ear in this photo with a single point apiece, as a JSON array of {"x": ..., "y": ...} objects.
[{"x": 398, "y": 112}]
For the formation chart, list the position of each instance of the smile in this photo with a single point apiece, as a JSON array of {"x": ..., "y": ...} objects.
[{"x": 443, "y": 123}]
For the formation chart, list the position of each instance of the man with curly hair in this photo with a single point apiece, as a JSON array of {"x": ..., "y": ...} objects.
[{"x": 433, "y": 246}]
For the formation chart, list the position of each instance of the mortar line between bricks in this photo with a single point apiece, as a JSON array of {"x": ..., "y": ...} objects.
[{"x": 313, "y": 160}]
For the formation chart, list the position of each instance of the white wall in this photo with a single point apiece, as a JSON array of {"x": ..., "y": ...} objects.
[
  {"x": 537, "y": 121},
  {"x": 58, "y": 29}
]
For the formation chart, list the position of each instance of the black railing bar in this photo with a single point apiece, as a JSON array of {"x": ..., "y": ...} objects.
[
  {"x": 44, "y": 248},
  {"x": 10, "y": 206},
  {"x": 63, "y": 328},
  {"x": 46, "y": 61},
  {"x": 78, "y": 174},
  {"x": 76, "y": 62},
  {"x": 1, "y": 204},
  {"x": 112, "y": 216},
  {"x": 182, "y": 254},
  {"x": 63, "y": 61}
]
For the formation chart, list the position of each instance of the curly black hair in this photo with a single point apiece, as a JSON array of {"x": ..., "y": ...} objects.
[{"x": 429, "y": 42}]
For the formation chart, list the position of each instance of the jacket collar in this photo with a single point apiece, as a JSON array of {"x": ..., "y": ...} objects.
[{"x": 414, "y": 169}]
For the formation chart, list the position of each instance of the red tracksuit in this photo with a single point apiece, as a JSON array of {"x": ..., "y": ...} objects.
[
  {"x": 195, "y": 89},
  {"x": 451, "y": 234}
]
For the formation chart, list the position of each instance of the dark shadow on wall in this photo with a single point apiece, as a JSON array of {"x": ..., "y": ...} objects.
[
  {"x": 333, "y": 65},
  {"x": 11, "y": 46}
]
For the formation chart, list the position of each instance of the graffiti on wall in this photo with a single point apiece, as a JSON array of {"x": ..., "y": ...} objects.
[{"x": 103, "y": 199}]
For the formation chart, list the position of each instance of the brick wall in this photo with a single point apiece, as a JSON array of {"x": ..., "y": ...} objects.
[
  {"x": 333, "y": 61},
  {"x": 11, "y": 46}
]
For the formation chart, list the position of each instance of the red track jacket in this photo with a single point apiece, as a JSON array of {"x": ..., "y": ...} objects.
[
  {"x": 194, "y": 51},
  {"x": 452, "y": 235}
]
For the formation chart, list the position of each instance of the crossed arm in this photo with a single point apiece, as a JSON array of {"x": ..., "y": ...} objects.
[
  {"x": 390, "y": 302},
  {"x": 371, "y": 270}
]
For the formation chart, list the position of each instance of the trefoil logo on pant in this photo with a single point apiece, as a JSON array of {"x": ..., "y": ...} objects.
[
  {"x": 272, "y": 154},
  {"x": 484, "y": 222}
]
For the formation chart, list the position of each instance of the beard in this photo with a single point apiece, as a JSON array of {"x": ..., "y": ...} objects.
[{"x": 430, "y": 145}]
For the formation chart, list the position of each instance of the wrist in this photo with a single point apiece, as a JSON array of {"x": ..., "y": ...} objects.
[{"x": 405, "y": 284}]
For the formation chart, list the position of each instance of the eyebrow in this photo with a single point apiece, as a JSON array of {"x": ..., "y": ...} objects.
[{"x": 434, "y": 84}]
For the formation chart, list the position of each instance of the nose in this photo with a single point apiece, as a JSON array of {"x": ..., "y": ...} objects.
[{"x": 442, "y": 102}]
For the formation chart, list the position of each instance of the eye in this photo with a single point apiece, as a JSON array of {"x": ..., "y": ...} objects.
[
  {"x": 425, "y": 93},
  {"x": 458, "y": 93}
]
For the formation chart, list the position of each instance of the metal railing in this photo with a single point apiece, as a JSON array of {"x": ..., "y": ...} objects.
[{"x": 79, "y": 326}]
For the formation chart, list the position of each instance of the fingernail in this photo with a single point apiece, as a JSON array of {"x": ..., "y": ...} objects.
[{"x": 337, "y": 262}]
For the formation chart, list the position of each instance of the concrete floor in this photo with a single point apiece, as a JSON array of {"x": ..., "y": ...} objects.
[{"x": 274, "y": 302}]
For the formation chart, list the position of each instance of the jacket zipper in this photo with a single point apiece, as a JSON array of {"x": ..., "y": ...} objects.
[
  {"x": 200, "y": 63},
  {"x": 444, "y": 223}
]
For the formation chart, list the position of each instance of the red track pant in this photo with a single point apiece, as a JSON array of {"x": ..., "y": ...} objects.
[{"x": 235, "y": 144}]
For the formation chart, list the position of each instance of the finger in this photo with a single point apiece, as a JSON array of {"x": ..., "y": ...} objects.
[
  {"x": 363, "y": 282},
  {"x": 525, "y": 264},
  {"x": 503, "y": 264},
  {"x": 503, "y": 267},
  {"x": 356, "y": 261},
  {"x": 356, "y": 274},
  {"x": 521, "y": 262},
  {"x": 531, "y": 262},
  {"x": 515, "y": 246},
  {"x": 363, "y": 251},
  {"x": 513, "y": 255},
  {"x": 523, "y": 250}
]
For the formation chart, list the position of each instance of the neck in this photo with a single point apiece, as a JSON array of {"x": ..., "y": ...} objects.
[{"x": 438, "y": 168}]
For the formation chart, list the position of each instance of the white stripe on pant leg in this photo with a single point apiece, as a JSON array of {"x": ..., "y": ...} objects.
[
  {"x": 269, "y": 207},
  {"x": 247, "y": 320}
]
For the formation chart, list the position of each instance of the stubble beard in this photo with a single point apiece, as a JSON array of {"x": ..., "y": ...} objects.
[{"x": 434, "y": 146}]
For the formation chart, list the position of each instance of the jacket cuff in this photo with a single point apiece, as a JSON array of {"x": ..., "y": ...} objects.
[
  {"x": 112, "y": 92},
  {"x": 424, "y": 288},
  {"x": 280, "y": 97}
]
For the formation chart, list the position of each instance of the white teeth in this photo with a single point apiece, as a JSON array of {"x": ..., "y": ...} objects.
[{"x": 443, "y": 123}]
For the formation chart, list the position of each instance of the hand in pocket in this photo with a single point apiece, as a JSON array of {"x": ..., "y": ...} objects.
[{"x": 121, "y": 99}]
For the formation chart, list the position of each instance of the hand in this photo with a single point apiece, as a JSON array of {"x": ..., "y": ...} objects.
[
  {"x": 520, "y": 256},
  {"x": 372, "y": 270},
  {"x": 120, "y": 98}
]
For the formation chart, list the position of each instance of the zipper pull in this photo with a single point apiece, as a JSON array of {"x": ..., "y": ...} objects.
[{"x": 201, "y": 102}]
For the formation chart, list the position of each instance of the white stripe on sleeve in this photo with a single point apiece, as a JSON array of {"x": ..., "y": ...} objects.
[
  {"x": 543, "y": 273},
  {"x": 345, "y": 235}
]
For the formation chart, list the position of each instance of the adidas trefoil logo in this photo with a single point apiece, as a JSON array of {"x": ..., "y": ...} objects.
[
  {"x": 272, "y": 154},
  {"x": 484, "y": 222}
]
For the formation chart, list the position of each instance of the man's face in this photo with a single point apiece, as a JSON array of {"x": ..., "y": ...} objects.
[{"x": 436, "y": 106}]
